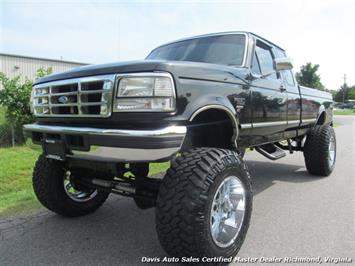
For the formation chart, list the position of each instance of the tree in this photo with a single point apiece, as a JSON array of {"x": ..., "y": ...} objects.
[
  {"x": 334, "y": 93},
  {"x": 15, "y": 97},
  {"x": 41, "y": 72},
  {"x": 345, "y": 93},
  {"x": 308, "y": 76},
  {"x": 351, "y": 93}
]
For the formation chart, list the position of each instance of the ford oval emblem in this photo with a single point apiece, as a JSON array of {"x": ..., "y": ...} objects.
[{"x": 63, "y": 99}]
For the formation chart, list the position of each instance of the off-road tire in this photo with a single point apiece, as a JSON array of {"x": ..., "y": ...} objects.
[
  {"x": 185, "y": 197},
  {"x": 48, "y": 186},
  {"x": 316, "y": 153}
]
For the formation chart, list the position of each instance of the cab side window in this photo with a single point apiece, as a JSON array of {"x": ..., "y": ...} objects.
[
  {"x": 288, "y": 77},
  {"x": 266, "y": 61},
  {"x": 255, "y": 67}
]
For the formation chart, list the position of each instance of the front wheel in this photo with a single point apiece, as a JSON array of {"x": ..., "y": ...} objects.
[
  {"x": 204, "y": 204},
  {"x": 55, "y": 187},
  {"x": 320, "y": 150}
]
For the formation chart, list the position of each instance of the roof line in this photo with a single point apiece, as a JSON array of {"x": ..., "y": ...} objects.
[
  {"x": 45, "y": 59},
  {"x": 217, "y": 34},
  {"x": 266, "y": 40},
  {"x": 201, "y": 36}
]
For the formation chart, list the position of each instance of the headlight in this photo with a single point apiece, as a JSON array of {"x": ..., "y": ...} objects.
[
  {"x": 135, "y": 87},
  {"x": 152, "y": 92}
]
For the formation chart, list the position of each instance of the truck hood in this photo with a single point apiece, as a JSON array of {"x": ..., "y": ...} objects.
[
  {"x": 193, "y": 70},
  {"x": 102, "y": 69}
]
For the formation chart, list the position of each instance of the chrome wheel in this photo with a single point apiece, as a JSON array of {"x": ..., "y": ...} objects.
[
  {"x": 331, "y": 151},
  {"x": 75, "y": 194},
  {"x": 227, "y": 211}
]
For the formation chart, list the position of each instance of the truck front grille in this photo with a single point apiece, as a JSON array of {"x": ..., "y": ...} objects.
[{"x": 81, "y": 97}]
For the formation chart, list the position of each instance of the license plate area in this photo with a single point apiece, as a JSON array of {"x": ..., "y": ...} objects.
[{"x": 54, "y": 149}]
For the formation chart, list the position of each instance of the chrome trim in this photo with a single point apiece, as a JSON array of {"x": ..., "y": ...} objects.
[
  {"x": 116, "y": 154},
  {"x": 104, "y": 153},
  {"x": 54, "y": 157},
  {"x": 215, "y": 106},
  {"x": 71, "y": 104},
  {"x": 276, "y": 123},
  {"x": 230, "y": 114},
  {"x": 170, "y": 131},
  {"x": 269, "y": 124},
  {"x": 266, "y": 124},
  {"x": 309, "y": 120},
  {"x": 76, "y": 194},
  {"x": 249, "y": 59},
  {"x": 143, "y": 74},
  {"x": 293, "y": 122},
  {"x": 283, "y": 63},
  {"x": 332, "y": 151},
  {"x": 106, "y": 96},
  {"x": 227, "y": 211},
  {"x": 66, "y": 93},
  {"x": 74, "y": 80},
  {"x": 246, "y": 125}
]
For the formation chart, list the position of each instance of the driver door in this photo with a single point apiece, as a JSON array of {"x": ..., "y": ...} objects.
[{"x": 268, "y": 97}]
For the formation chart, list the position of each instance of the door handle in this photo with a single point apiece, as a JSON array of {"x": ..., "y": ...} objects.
[{"x": 282, "y": 88}]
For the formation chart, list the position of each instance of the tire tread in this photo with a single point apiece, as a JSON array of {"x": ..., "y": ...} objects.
[
  {"x": 316, "y": 150},
  {"x": 47, "y": 182},
  {"x": 180, "y": 216}
]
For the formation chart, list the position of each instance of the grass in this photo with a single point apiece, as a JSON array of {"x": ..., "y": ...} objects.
[
  {"x": 344, "y": 112},
  {"x": 16, "y": 193},
  {"x": 156, "y": 168}
]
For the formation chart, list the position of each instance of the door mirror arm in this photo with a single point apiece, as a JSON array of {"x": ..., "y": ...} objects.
[{"x": 253, "y": 76}]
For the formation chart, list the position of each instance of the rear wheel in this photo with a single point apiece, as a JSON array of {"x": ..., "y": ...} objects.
[
  {"x": 204, "y": 204},
  {"x": 55, "y": 187},
  {"x": 320, "y": 150}
]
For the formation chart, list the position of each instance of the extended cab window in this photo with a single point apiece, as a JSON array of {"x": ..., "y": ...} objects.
[
  {"x": 286, "y": 74},
  {"x": 266, "y": 61},
  {"x": 222, "y": 49},
  {"x": 288, "y": 77},
  {"x": 255, "y": 67}
]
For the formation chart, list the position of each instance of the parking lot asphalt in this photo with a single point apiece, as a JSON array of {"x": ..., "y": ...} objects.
[{"x": 295, "y": 215}]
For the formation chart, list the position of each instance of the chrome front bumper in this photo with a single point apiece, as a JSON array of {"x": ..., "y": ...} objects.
[{"x": 121, "y": 145}]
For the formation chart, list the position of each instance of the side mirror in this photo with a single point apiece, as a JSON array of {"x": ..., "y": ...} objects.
[{"x": 283, "y": 64}]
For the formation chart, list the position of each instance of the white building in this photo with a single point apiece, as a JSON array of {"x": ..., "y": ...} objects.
[{"x": 26, "y": 66}]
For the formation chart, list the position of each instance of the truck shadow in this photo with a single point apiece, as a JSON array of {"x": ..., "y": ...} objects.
[
  {"x": 117, "y": 234},
  {"x": 265, "y": 173}
]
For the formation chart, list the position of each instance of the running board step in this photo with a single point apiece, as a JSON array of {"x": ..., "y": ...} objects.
[{"x": 271, "y": 151}]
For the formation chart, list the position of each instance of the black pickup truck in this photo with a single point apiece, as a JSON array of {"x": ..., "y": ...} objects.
[{"x": 199, "y": 103}]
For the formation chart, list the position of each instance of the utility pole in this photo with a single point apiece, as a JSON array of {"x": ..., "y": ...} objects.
[{"x": 344, "y": 88}]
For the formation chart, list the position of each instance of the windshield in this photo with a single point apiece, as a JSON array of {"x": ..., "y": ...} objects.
[{"x": 221, "y": 49}]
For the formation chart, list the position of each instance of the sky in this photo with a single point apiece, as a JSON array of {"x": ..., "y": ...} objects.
[{"x": 317, "y": 31}]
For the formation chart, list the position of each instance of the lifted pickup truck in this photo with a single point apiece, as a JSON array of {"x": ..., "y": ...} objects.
[{"x": 197, "y": 102}]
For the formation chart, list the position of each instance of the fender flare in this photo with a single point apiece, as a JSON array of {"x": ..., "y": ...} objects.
[
  {"x": 321, "y": 112},
  {"x": 232, "y": 115}
]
